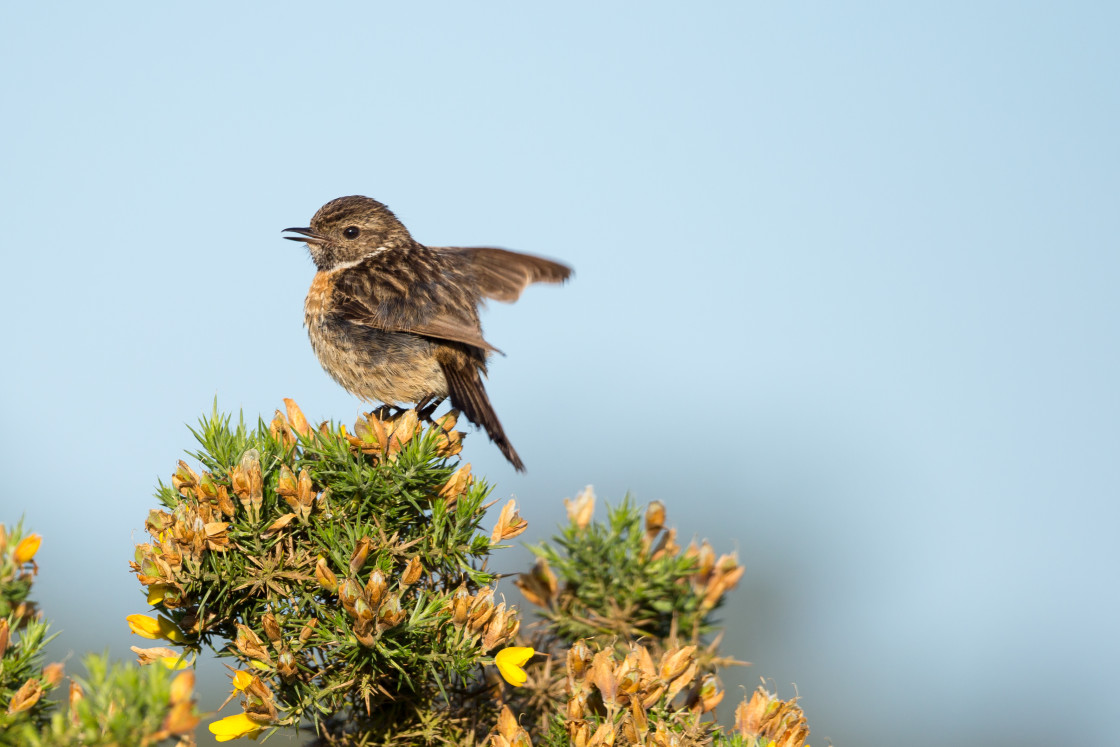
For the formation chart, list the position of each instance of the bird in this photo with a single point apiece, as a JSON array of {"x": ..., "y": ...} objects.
[{"x": 395, "y": 321}]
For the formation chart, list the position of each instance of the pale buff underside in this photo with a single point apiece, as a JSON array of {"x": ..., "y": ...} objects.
[
  {"x": 372, "y": 364},
  {"x": 396, "y": 374}
]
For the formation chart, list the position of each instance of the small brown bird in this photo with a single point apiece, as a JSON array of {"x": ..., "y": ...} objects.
[{"x": 395, "y": 321}]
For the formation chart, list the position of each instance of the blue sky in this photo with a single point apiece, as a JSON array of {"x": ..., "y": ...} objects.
[{"x": 845, "y": 300}]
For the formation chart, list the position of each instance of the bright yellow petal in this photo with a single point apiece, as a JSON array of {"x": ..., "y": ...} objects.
[
  {"x": 510, "y": 661},
  {"x": 156, "y": 593},
  {"x": 242, "y": 680},
  {"x": 170, "y": 630},
  {"x": 144, "y": 626},
  {"x": 27, "y": 548},
  {"x": 516, "y": 655},
  {"x": 234, "y": 727},
  {"x": 149, "y": 627},
  {"x": 175, "y": 663},
  {"x": 513, "y": 674}
]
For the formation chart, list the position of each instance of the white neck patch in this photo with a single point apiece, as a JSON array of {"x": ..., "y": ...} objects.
[{"x": 356, "y": 262}]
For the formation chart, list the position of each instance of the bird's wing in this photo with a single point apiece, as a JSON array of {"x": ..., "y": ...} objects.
[
  {"x": 416, "y": 297},
  {"x": 502, "y": 275},
  {"x": 445, "y": 327}
]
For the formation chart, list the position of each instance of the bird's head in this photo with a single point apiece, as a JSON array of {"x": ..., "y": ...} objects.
[{"x": 349, "y": 229}]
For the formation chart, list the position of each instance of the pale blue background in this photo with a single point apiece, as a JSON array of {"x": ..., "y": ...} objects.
[{"x": 845, "y": 299}]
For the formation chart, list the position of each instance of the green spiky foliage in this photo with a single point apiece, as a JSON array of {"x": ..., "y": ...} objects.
[
  {"x": 120, "y": 704},
  {"x": 16, "y": 573},
  {"x": 21, "y": 664},
  {"x": 330, "y": 566},
  {"x": 630, "y": 613},
  {"x": 23, "y": 636},
  {"x": 114, "y": 705},
  {"x": 615, "y": 582}
]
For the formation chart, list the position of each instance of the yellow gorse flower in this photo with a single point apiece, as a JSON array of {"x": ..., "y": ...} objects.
[
  {"x": 510, "y": 661},
  {"x": 234, "y": 727},
  {"x": 156, "y": 593},
  {"x": 27, "y": 548},
  {"x": 149, "y": 627},
  {"x": 242, "y": 680},
  {"x": 176, "y": 663}
]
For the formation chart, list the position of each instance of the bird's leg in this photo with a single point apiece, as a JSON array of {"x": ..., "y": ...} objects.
[{"x": 427, "y": 407}]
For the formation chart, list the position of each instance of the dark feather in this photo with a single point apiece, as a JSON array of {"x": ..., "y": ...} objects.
[
  {"x": 464, "y": 385},
  {"x": 421, "y": 295},
  {"x": 502, "y": 275},
  {"x": 448, "y": 328}
]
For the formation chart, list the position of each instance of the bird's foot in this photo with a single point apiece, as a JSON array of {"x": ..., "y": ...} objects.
[
  {"x": 427, "y": 407},
  {"x": 386, "y": 412}
]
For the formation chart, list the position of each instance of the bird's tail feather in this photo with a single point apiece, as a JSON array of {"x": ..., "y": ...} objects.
[{"x": 464, "y": 385}]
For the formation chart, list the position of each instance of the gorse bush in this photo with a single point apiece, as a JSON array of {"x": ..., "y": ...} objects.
[
  {"x": 344, "y": 573},
  {"x": 334, "y": 568}
]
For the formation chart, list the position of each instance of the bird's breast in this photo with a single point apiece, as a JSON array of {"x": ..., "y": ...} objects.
[
  {"x": 318, "y": 299},
  {"x": 371, "y": 363}
]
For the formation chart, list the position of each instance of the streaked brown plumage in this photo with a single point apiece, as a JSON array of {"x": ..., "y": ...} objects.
[{"x": 395, "y": 321}]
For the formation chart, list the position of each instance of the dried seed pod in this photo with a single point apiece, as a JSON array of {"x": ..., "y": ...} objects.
[
  {"x": 682, "y": 682},
  {"x": 507, "y": 724},
  {"x": 307, "y": 630},
  {"x": 325, "y": 576},
  {"x": 602, "y": 674},
  {"x": 457, "y": 484},
  {"x": 579, "y": 657},
  {"x": 305, "y": 493},
  {"x": 629, "y": 680},
  {"x": 501, "y": 629},
  {"x": 361, "y": 611},
  {"x": 282, "y": 431},
  {"x": 286, "y": 665},
  {"x": 286, "y": 483},
  {"x": 676, "y": 661},
  {"x": 581, "y": 508},
  {"x": 655, "y": 518},
  {"x": 75, "y": 697},
  {"x": 53, "y": 673},
  {"x": 510, "y": 524},
  {"x": 483, "y": 604},
  {"x": 358, "y": 557},
  {"x": 540, "y": 585},
  {"x": 375, "y": 587},
  {"x": 349, "y": 592},
  {"x": 296, "y": 418},
  {"x": 461, "y": 606},
  {"x": 184, "y": 480},
  {"x": 250, "y": 644},
  {"x": 390, "y": 613},
  {"x": 26, "y": 696},
  {"x": 412, "y": 572},
  {"x": 709, "y": 694},
  {"x": 182, "y": 687}
]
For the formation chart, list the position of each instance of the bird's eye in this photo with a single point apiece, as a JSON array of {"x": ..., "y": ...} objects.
[{"x": 351, "y": 232}]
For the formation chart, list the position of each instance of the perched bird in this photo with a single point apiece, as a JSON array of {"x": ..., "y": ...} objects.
[{"x": 395, "y": 321}]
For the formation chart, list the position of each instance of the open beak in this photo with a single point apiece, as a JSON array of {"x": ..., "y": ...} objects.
[{"x": 306, "y": 235}]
